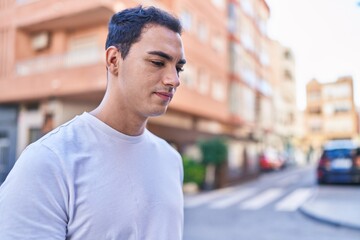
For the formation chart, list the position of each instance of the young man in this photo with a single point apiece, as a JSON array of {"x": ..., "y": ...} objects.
[{"x": 103, "y": 175}]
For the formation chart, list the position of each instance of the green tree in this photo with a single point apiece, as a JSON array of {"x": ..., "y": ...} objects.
[{"x": 214, "y": 156}]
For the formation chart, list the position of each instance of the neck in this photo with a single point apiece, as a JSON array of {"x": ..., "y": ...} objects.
[
  {"x": 122, "y": 124},
  {"x": 119, "y": 119}
]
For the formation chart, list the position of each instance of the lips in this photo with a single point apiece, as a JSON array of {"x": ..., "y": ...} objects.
[{"x": 166, "y": 96}]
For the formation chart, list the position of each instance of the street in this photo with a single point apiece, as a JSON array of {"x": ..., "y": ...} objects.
[{"x": 264, "y": 209}]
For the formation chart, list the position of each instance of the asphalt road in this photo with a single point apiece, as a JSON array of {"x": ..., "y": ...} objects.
[{"x": 264, "y": 209}]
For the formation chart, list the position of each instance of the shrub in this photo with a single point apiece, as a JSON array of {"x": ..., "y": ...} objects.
[{"x": 193, "y": 171}]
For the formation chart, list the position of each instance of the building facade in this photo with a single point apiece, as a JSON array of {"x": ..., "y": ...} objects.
[
  {"x": 330, "y": 111},
  {"x": 52, "y": 68},
  {"x": 284, "y": 97},
  {"x": 250, "y": 90}
]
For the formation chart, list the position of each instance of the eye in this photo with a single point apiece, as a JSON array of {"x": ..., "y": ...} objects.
[
  {"x": 157, "y": 63},
  {"x": 179, "y": 69}
]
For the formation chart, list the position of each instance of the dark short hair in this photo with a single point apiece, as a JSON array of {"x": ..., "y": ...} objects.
[{"x": 125, "y": 27}]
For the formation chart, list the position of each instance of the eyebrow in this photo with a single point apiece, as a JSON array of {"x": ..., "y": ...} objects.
[{"x": 166, "y": 56}]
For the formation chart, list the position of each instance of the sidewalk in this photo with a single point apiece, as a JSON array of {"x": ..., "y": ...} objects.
[{"x": 337, "y": 205}]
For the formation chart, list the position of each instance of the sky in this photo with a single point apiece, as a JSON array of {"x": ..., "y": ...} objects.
[{"x": 324, "y": 36}]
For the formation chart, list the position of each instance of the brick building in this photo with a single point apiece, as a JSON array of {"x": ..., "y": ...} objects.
[
  {"x": 52, "y": 68},
  {"x": 330, "y": 111}
]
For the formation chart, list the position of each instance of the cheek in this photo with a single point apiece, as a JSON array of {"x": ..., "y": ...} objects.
[
  {"x": 142, "y": 80},
  {"x": 150, "y": 80}
]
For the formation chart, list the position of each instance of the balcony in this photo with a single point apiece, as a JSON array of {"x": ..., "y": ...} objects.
[
  {"x": 79, "y": 74},
  {"x": 68, "y": 60},
  {"x": 24, "y": 1},
  {"x": 64, "y": 14}
]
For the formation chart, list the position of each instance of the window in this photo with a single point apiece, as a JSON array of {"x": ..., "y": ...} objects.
[
  {"x": 248, "y": 41},
  {"x": 218, "y": 90},
  {"x": 40, "y": 41},
  {"x": 4, "y": 152},
  {"x": 248, "y": 110},
  {"x": 342, "y": 106},
  {"x": 264, "y": 58},
  {"x": 249, "y": 77},
  {"x": 328, "y": 109},
  {"x": 336, "y": 91},
  {"x": 186, "y": 20},
  {"x": 339, "y": 125},
  {"x": 32, "y": 106},
  {"x": 219, "y": 3},
  {"x": 266, "y": 112},
  {"x": 337, "y": 107},
  {"x": 288, "y": 55},
  {"x": 233, "y": 57},
  {"x": 232, "y": 18},
  {"x": 247, "y": 7},
  {"x": 202, "y": 32},
  {"x": 188, "y": 77},
  {"x": 204, "y": 84},
  {"x": 262, "y": 27},
  {"x": 235, "y": 93},
  {"x": 314, "y": 96},
  {"x": 315, "y": 110},
  {"x": 83, "y": 50},
  {"x": 34, "y": 134},
  {"x": 315, "y": 125},
  {"x": 288, "y": 75},
  {"x": 217, "y": 43},
  {"x": 265, "y": 87}
]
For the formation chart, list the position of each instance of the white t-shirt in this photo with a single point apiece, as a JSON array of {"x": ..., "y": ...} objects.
[{"x": 85, "y": 180}]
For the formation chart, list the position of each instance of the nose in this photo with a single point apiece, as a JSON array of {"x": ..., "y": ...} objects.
[{"x": 172, "y": 78}]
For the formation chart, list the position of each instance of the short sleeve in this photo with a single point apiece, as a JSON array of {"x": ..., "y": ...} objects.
[{"x": 34, "y": 197}]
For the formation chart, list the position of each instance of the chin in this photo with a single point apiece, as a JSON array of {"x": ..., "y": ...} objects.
[{"x": 158, "y": 112}]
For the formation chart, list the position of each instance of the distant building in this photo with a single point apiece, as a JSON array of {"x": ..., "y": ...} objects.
[
  {"x": 284, "y": 97},
  {"x": 330, "y": 111}
]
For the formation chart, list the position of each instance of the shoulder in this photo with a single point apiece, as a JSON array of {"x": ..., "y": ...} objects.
[
  {"x": 37, "y": 160},
  {"x": 49, "y": 151},
  {"x": 68, "y": 131},
  {"x": 70, "y": 137},
  {"x": 36, "y": 188},
  {"x": 162, "y": 144}
]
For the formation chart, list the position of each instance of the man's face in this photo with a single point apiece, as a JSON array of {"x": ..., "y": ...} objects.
[{"x": 149, "y": 74}]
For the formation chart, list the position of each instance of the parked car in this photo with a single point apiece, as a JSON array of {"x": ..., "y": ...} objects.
[
  {"x": 271, "y": 159},
  {"x": 356, "y": 166},
  {"x": 338, "y": 163}
]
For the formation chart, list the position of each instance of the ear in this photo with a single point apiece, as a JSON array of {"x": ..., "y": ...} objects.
[{"x": 112, "y": 60}]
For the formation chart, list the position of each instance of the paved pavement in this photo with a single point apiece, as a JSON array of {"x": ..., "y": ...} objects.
[{"x": 337, "y": 205}]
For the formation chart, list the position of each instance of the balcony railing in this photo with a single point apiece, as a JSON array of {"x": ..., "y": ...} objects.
[
  {"x": 25, "y": 1},
  {"x": 55, "y": 62}
]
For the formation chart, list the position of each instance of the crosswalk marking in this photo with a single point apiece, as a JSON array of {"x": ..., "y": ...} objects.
[
  {"x": 262, "y": 199},
  {"x": 294, "y": 200},
  {"x": 205, "y": 198},
  {"x": 250, "y": 198},
  {"x": 229, "y": 201}
]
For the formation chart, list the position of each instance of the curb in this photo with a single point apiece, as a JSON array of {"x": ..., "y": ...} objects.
[
  {"x": 318, "y": 217},
  {"x": 327, "y": 220}
]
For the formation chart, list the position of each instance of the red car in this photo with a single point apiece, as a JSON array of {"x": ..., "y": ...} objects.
[{"x": 271, "y": 159}]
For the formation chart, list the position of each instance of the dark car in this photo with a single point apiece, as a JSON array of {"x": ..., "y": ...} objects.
[
  {"x": 356, "y": 166},
  {"x": 338, "y": 163}
]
